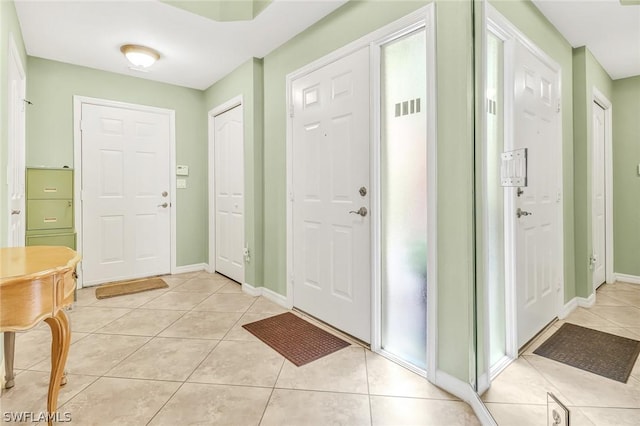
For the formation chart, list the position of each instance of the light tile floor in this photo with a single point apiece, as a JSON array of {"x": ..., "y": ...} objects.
[
  {"x": 518, "y": 395},
  {"x": 180, "y": 356}
]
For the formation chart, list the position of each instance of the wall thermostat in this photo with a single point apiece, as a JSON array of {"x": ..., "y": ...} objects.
[{"x": 182, "y": 170}]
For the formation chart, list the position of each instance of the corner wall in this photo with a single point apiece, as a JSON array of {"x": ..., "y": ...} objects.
[
  {"x": 246, "y": 80},
  {"x": 587, "y": 74},
  {"x": 626, "y": 176},
  {"x": 51, "y": 86}
]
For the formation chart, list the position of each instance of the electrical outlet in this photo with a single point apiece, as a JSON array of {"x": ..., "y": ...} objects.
[{"x": 557, "y": 413}]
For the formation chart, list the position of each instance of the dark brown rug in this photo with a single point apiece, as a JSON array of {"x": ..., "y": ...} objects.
[
  {"x": 294, "y": 338},
  {"x": 129, "y": 287},
  {"x": 591, "y": 350}
]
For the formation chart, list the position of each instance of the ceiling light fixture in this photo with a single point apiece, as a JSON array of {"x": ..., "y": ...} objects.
[{"x": 140, "y": 56}]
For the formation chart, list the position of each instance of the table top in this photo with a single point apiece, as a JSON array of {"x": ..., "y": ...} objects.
[{"x": 35, "y": 261}]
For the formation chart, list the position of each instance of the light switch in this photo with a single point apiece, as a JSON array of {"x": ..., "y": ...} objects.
[
  {"x": 182, "y": 170},
  {"x": 181, "y": 183}
]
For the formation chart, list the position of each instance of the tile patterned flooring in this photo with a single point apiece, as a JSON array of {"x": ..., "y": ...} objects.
[
  {"x": 518, "y": 395},
  {"x": 180, "y": 356}
]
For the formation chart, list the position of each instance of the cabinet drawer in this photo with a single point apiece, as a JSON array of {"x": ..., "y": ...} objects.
[
  {"x": 49, "y": 214},
  {"x": 67, "y": 240},
  {"x": 49, "y": 184}
]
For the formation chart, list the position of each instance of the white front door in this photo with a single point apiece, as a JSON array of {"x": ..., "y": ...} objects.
[
  {"x": 126, "y": 202},
  {"x": 331, "y": 240},
  {"x": 16, "y": 148},
  {"x": 598, "y": 196},
  {"x": 229, "y": 190},
  {"x": 537, "y": 254}
]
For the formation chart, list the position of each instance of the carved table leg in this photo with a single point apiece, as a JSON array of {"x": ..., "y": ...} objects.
[
  {"x": 9, "y": 351},
  {"x": 61, "y": 337}
]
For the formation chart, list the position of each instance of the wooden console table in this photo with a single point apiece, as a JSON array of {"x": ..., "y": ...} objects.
[{"x": 37, "y": 283}]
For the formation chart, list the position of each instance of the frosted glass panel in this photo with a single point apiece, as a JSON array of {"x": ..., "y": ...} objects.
[
  {"x": 404, "y": 198},
  {"x": 494, "y": 201}
]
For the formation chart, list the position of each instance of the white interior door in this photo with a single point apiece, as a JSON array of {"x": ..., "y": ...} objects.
[
  {"x": 598, "y": 196},
  {"x": 229, "y": 190},
  {"x": 536, "y": 120},
  {"x": 331, "y": 242},
  {"x": 16, "y": 148},
  {"x": 126, "y": 202}
]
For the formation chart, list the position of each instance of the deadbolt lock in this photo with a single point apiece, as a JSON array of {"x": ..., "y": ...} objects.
[{"x": 363, "y": 191}]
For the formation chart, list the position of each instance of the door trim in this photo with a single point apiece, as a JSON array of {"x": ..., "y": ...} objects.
[
  {"x": 78, "y": 101},
  {"x": 237, "y": 101},
  {"x": 423, "y": 17},
  {"x": 599, "y": 98},
  {"x": 14, "y": 57},
  {"x": 502, "y": 28}
]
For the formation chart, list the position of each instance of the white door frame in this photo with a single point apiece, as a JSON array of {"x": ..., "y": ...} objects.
[
  {"x": 17, "y": 142},
  {"x": 222, "y": 108},
  {"x": 78, "y": 101},
  {"x": 500, "y": 26},
  {"x": 599, "y": 98},
  {"x": 421, "y": 18}
]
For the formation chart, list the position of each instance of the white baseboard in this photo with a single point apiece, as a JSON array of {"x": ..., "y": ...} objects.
[
  {"x": 196, "y": 267},
  {"x": 568, "y": 307},
  {"x": 251, "y": 290},
  {"x": 587, "y": 302},
  {"x": 464, "y": 391},
  {"x": 268, "y": 294},
  {"x": 571, "y": 305},
  {"x": 631, "y": 279}
]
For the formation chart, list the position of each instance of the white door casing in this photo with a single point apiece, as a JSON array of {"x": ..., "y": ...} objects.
[
  {"x": 536, "y": 121},
  {"x": 126, "y": 193},
  {"x": 330, "y": 157},
  {"x": 598, "y": 216},
  {"x": 16, "y": 105},
  {"x": 229, "y": 193}
]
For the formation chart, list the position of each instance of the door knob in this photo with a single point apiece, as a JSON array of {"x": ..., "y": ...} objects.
[
  {"x": 163, "y": 205},
  {"x": 362, "y": 211},
  {"x": 15, "y": 212},
  {"x": 521, "y": 212}
]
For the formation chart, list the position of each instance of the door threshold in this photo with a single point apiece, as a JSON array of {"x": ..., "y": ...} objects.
[
  {"x": 526, "y": 346},
  {"x": 331, "y": 329}
]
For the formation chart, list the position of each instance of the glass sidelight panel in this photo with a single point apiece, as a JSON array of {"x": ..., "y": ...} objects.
[
  {"x": 494, "y": 201},
  {"x": 404, "y": 198}
]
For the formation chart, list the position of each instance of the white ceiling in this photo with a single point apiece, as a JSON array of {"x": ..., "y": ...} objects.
[
  {"x": 610, "y": 31},
  {"x": 195, "y": 51}
]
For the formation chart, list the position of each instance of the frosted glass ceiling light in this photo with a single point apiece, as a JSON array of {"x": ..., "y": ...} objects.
[{"x": 140, "y": 56}]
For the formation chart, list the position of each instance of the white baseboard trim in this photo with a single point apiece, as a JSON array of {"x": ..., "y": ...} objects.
[
  {"x": 251, "y": 290},
  {"x": 498, "y": 367},
  {"x": 568, "y": 307},
  {"x": 571, "y": 305},
  {"x": 483, "y": 383},
  {"x": 268, "y": 294},
  {"x": 465, "y": 392},
  {"x": 196, "y": 267},
  {"x": 631, "y": 279},
  {"x": 587, "y": 302}
]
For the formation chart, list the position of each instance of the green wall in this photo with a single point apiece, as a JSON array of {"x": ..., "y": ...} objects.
[
  {"x": 8, "y": 25},
  {"x": 246, "y": 80},
  {"x": 587, "y": 74},
  {"x": 524, "y": 15},
  {"x": 626, "y": 179},
  {"x": 51, "y": 87}
]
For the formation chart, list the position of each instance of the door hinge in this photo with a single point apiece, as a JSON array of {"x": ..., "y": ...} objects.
[
  {"x": 291, "y": 196},
  {"x": 291, "y": 110},
  {"x": 558, "y": 106},
  {"x": 292, "y": 278},
  {"x": 81, "y": 125}
]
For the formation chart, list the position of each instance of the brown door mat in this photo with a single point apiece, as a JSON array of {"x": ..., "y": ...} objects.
[
  {"x": 591, "y": 350},
  {"x": 294, "y": 338},
  {"x": 129, "y": 287}
]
